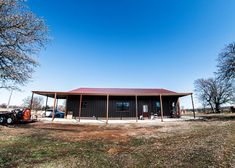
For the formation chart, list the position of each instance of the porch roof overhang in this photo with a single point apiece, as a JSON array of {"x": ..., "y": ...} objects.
[{"x": 63, "y": 95}]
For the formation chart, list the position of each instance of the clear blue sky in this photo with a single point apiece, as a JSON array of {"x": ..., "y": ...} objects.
[{"x": 130, "y": 43}]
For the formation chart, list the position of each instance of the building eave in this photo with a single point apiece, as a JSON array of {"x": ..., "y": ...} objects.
[{"x": 65, "y": 94}]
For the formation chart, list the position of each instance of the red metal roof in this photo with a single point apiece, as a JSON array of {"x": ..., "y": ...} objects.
[
  {"x": 112, "y": 92},
  {"x": 120, "y": 91}
]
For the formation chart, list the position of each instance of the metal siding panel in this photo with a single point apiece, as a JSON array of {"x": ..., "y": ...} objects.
[
  {"x": 73, "y": 105},
  {"x": 96, "y": 106}
]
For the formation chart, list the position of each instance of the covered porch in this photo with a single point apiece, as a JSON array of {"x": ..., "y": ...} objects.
[{"x": 140, "y": 106}]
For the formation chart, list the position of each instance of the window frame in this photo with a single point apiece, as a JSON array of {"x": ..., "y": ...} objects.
[{"x": 124, "y": 104}]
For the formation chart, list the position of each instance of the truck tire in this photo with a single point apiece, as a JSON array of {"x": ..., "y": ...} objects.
[
  {"x": 10, "y": 120},
  {"x": 2, "y": 119}
]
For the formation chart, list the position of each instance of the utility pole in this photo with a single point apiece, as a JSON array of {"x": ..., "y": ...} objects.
[{"x": 9, "y": 100}]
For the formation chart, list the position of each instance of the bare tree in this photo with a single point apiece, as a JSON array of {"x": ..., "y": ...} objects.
[
  {"x": 22, "y": 35},
  {"x": 226, "y": 62},
  {"x": 214, "y": 91},
  {"x": 3, "y": 105},
  {"x": 37, "y": 103}
]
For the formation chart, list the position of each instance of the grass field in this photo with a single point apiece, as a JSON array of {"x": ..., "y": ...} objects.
[{"x": 205, "y": 143}]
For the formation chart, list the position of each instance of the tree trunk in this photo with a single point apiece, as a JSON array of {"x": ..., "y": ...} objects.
[
  {"x": 212, "y": 108},
  {"x": 217, "y": 107}
]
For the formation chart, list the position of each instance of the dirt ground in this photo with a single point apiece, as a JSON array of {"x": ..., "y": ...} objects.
[{"x": 209, "y": 142}]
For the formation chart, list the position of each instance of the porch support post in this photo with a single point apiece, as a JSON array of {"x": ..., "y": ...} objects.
[
  {"x": 161, "y": 108},
  {"x": 107, "y": 110},
  {"x": 193, "y": 106},
  {"x": 178, "y": 108},
  {"x": 31, "y": 102},
  {"x": 54, "y": 105},
  {"x": 66, "y": 104},
  {"x": 80, "y": 108},
  {"x": 136, "y": 108},
  {"x": 46, "y": 104}
]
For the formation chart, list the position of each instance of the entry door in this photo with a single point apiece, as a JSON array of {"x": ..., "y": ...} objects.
[{"x": 145, "y": 110}]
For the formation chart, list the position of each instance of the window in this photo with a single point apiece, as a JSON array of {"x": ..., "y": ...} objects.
[
  {"x": 173, "y": 105},
  {"x": 123, "y": 106},
  {"x": 158, "y": 106},
  {"x": 84, "y": 104}
]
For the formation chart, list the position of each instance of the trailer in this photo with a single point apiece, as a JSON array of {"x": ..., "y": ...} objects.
[{"x": 15, "y": 116}]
